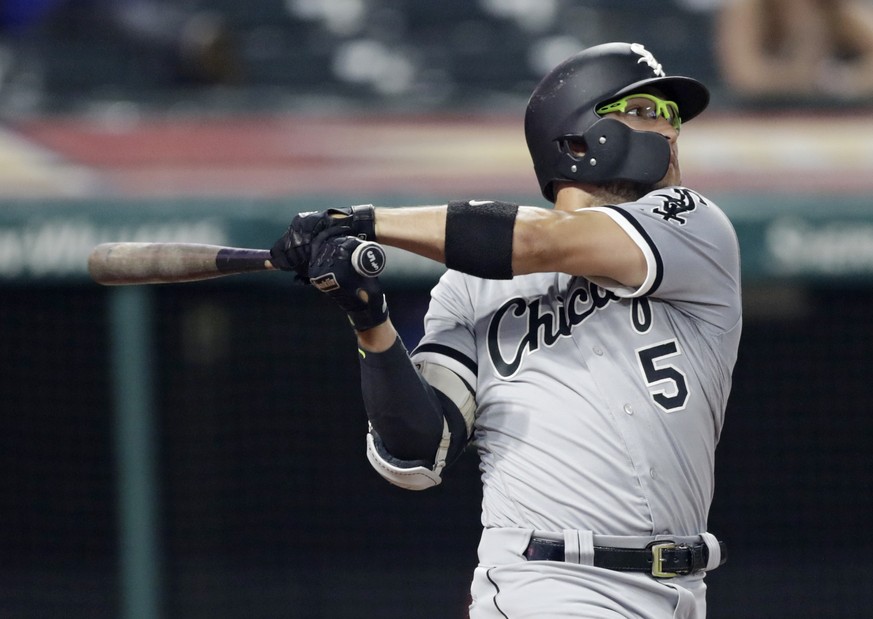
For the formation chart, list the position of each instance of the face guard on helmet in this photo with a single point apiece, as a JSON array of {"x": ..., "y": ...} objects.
[{"x": 563, "y": 109}]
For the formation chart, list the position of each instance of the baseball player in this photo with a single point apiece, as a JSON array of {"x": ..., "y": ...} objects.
[{"x": 587, "y": 350}]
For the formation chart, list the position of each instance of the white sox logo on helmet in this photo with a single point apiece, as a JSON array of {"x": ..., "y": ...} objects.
[{"x": 648, "y": 58}]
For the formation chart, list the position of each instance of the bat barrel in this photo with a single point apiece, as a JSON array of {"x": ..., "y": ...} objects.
[
  {"x": 116, "y": 264},
  {"x": 120, "y": 264}
]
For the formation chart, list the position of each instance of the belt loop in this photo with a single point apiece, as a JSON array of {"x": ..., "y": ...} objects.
[
  {"x": 579, "y": 547},
  {"x": 714, "y": 549}
]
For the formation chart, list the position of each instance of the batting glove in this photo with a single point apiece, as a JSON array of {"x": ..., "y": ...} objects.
[
  {"x": 332, "y": 270},
  {"x": 293, "y": 250}
]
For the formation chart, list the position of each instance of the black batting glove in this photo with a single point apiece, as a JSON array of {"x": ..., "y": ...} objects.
[
  {"x": 359, "y": 219},
  {"x": 293, "y": 250},
  {"x": 332, "y": 271}
]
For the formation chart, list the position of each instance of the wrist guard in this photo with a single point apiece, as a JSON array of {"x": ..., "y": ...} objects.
[{"x": 359, "y": 219}]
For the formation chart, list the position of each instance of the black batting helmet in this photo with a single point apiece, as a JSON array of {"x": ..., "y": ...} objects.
[{"x": 563, "y": 107}]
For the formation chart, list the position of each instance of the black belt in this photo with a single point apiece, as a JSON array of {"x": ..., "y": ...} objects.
[{"x": 661, "y": 559}]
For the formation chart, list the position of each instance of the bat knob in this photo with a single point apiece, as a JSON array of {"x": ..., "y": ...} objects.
[{"x": 369, "y": 259}]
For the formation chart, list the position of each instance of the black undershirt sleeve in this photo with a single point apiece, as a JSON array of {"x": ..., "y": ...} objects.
[{"x": 404, "y": 410}]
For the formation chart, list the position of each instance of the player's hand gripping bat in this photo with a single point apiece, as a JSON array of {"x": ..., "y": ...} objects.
[{"x": 121, "y": 264}]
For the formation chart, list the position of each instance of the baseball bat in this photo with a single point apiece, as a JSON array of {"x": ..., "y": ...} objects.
[{"x": 123, "y": 264}]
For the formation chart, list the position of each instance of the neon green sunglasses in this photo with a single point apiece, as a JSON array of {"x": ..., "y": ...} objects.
[{"x": 661, "y": 108}]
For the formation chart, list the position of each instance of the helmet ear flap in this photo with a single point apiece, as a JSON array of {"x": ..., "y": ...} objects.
[
  {"x": 573, "y": 146},
  {"x": 614, "y": 151}
]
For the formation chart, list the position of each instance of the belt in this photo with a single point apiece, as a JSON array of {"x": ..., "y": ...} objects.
[{"x": 661, "y": 559}]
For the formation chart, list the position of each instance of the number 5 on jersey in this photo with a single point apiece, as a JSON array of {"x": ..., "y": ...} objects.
[{"x": 667, "y": 384}]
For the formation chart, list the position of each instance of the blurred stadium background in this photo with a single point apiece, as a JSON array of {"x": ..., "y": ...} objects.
[{"x": 197, "y": 451}]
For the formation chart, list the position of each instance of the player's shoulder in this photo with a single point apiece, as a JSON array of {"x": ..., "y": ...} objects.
[
  {"x": 676, "y": 197},
  {"x": 678, "y": 205}
]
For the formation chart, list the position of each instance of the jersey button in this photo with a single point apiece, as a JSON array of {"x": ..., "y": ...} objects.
[
  {"x": 629, "y": 409},
  {"x": 652, "y": 473},
  {"x": 598, "y": 351}
]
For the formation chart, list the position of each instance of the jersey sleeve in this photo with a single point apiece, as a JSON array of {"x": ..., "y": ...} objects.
[
  {"x": 449, "y": 338},
  {"x": 691, "y": 252}
]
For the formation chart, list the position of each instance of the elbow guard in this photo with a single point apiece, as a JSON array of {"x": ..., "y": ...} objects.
[
  {"x": 409, "y": 475},
  {"x": 459, "y": 406}
]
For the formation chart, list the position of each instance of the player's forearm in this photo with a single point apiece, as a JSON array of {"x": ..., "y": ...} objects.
[
  {"x": 579, "y": 242},
  {"x": 420, "y": 229}
]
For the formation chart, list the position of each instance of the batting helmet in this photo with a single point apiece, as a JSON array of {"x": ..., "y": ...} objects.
[{"x": 563, "y": 107}]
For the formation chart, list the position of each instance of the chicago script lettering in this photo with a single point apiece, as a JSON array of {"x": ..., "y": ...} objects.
[{"x": 545, "y": 324}]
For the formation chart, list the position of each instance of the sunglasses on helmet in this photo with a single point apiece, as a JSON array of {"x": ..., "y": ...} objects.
[{"x": 656, "y": 108}]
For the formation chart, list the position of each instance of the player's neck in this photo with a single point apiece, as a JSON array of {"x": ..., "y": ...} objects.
[{"x": 572, "y": 197}]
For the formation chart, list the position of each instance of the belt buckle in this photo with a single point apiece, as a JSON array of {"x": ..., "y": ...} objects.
[{"x": 658, "y": 560}]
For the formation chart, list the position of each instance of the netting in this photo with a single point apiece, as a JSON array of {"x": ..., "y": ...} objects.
[{"x": 267, "y": 507}]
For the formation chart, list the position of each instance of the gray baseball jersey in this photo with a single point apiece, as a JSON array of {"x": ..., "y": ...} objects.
[{"x": 599, "y": 407}]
